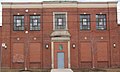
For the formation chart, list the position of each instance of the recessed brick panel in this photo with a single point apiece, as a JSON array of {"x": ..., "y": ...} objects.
[
  {"x": 85, "y": 51},
  {"x": 18, "y": 55}
]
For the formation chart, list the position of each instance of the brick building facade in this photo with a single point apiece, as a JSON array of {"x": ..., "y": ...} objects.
[{"x": 58, "y": 34}]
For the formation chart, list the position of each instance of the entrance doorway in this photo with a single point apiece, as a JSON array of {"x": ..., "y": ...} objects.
[
  {"x": 61, "y": 55},
  {"x": 60, "y": 49}
]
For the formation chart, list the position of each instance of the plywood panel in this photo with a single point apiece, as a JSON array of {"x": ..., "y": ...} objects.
[
  {"x": 18, "y": 52},
  {"x": 85, "y": 51},
  {"x": 102, "y": 53},
  {"x": 35, "y": 52}
]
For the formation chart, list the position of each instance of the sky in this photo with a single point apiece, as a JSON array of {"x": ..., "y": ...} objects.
[{"x": 118, "y": 13}]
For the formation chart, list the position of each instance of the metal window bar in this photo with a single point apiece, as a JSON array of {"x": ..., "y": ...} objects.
[
  {"x": 85, "y": 22},
  {"x": 101, "y": 22},
  {"x": 33, "y": 24},
  {"x": 63, "y": 23},
  {"x": 16, "y": 27}
]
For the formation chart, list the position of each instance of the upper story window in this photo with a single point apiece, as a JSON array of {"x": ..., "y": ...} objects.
[
  {"x": 85, "y": 22},
  {"x": 18, "y": 23},
  {"x": 60, "y": 22},
  {"x": 101, "y": 22},
  {"x": 35, "y": 22}
]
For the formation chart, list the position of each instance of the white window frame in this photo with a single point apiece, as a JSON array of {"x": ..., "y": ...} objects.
[{"x": 54, "y": 19}]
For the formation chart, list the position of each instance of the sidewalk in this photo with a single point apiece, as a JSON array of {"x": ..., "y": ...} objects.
[
  {"x": 61, "y": 70},
  {"x": 97, "y": 70}
]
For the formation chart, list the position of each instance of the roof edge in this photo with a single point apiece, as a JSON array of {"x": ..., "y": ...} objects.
[{"x": 59, "y": 2}]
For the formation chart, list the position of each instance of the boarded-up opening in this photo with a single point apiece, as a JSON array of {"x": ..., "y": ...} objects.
[
  {"x": 35, "y": 54},
  {"x": 18, "y": 55},
  {"x": 102, "y": 54},
  {"x": 85, "y": 55}
]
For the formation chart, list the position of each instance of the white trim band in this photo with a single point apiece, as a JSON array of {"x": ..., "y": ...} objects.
[{"x": 60, "y": 5}]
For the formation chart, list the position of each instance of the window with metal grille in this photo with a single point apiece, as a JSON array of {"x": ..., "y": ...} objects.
[
  {"x": 101, "y": 22},
  {"x": 35, "y": 22},
  {"x": 85, "y": 22},
  {"x": 18, "y": 23},
  {"x": 60, "y": 21}
]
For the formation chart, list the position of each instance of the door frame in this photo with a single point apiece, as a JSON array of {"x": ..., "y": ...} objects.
[{"x": 52, "y": 53}]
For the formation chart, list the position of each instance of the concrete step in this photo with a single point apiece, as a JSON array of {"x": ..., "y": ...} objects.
[{"x": 61, "y": 70}]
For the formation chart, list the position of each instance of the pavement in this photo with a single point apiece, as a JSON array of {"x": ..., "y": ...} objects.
[{"x": 61, "y": 70}]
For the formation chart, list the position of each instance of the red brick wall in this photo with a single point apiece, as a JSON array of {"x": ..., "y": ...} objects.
[
  {"x": 110, "y": 36},
  {"x": 6, "y": 53},
  {"x": 0, "y": 41}
]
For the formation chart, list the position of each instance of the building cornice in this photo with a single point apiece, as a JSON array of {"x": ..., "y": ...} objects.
[{"x": 57, "y": 4}]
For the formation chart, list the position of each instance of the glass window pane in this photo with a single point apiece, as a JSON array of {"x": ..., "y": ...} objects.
[
  {"x": 60, "y": 22},
  {"x": 35, "y": 22},
  {"x": 84, "y": 21},
  {"x": 19, "y": 22}
]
